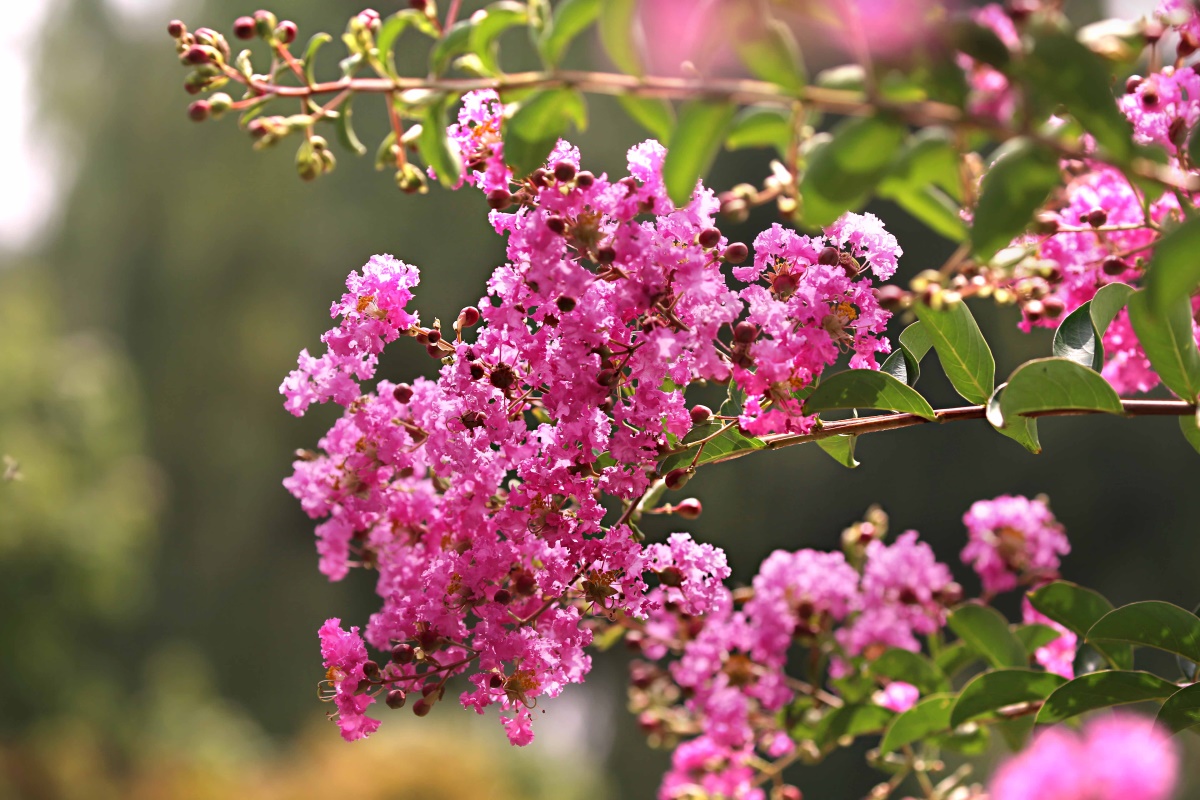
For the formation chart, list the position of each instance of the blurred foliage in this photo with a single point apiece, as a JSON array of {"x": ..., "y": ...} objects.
[{"x": 185, "y": 667}]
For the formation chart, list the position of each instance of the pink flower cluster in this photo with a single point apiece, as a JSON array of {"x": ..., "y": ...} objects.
[
  {"x": 476, "y": 496},
  {"x": 1013, "y": 539},
  {"x": 991, "y": 95},
  {"x": 1117, "y": 757}
]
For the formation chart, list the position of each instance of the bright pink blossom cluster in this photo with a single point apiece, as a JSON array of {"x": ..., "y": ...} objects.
[
  {"x": 1117, "y": 757},
  {"x": 477, "y": 496},
  {"x": 1013, "y": 539}
]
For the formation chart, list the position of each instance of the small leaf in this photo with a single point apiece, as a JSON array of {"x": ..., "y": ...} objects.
[
  {"x": 1181, "y": 710},
  {"x": 1046, "y": 384},
  {"x": 769, "y": 50},
  {"x": 929, "y": 158},
  {"x": 731, "y": 441},
  {"x": 1076, "y": 339},
  {"x": 1191, "y": 430},
  {"x": 851, "y": 721},
  {"x": 538, "y": 124},
  {"x": 487, "y": 26},
  {"x": 1152, "y": 623},
  {"x": 453, "y": 44},
  {"x": 310, "y": 55},
  {"x": 898, "y": 664},
  {"x": 435, "y": 145},
  {"x": 1107, "y": 303},
  {"x": 694, "y": 145},
  {"x": 841, "y": 448},
  {"x": 346, "y": 133},
  {"x": 1103, "y": 690},
  {"x": 843, "y": 169},
  {"x": 393, "y": 27},
  {"x": 1013, "y": 188},
  {"x": 761, "y": 126},
  {"x": 866, "y": 388},
  {"x": 1022, "y": 430},
  {"x": 1169, "y": 342},
  {"x": 964, "y": 354},
  {"x": 620, "y": 32},
  {"x": 1077, "y": 609},
  {"x": 956, "y": 657},
  {"x": 1035, "y": 635},
  {"x": 931, "y": 715},
  {"x": 986, "y": 631},
  {"x": 904, "y": 364},
  {"x": 932, "y": 206},
  {"x": 992, "y": 691},
  {"x": 570, "y": 19},
  {"x": 656, "y": 116}
]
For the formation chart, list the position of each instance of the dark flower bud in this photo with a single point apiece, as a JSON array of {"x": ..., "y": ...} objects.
[
  {"x": 1177, "y": 131},
  {"x": 539, "y": 178},
  {"x": 433, "y": 350},
  {"x": 244, "y": 28},
  {"x": 524, "y": 583},
  {"x": 499, "y": 199},
  {"x": 700, "y": 414},
  {"x": 556, "y": 225},
  {"x": 422, "y": 707},
  {"x": 469, "y": 316},
  {"x": 850, "y": 264},
  {"x": 709, "y": 237},
  {"x": 435, "y": 336},
  {"x": 745, "y": 332},
  {"x": 199, "y": 110},
  {"x": 473, "y": 419},
  {"x": 689, "y": 508},
  {"x": 403, "y": 653},
  {"x": 371, "y": 670},
  {"x": 585, "y": 179},
  {"x": 496, "y": 681},
  {"x": 890, "y": 296},
  {"x": 1132, "y": 83},
  {"x": 1054, "y": 307},
  {"x": 678, "y": 478},
  {"x": 785, "y": 283},
  {"x": 606, "y": 377},
  {"x": 419, "y": 5},
  {"x": 671, "y": 576},
  {"x": 503, "y": 377},
  {"x": 176, "y": 28},
  {"x": 606, "y": 255},
  {"x": 736, "y": 253},
  {"x": 1114, "y": 267},
  {"x": 476, "y": 371},
  {"x": 950, "y": 595},
  {"x": 1150, "y": 98},
  {"x": 1097, "y": 217},
  {"x": 502, "y": 596},
  {"x": 198, "y": 54},
  {"x": 396, "y": 698},
  {"x": 285, "y": 32},
  {"x": 829, "y": 256},
  {"x": 403, "y": 393},
  {"x": 564, "y": 171},
  {"x": 428, "y": 639},
  {"x": 1045, "y": 224},
  {"x": 1035, "y": 310},
  {"x": 565, "y": 304},
  {"x": 1188, "y": 44}
]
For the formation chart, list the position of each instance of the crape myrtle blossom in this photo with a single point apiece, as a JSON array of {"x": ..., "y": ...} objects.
[
  {"x": 475, "y": 496},
  {"x": 1013, "y": 539},
  {"x": 1118, "y": 756}
]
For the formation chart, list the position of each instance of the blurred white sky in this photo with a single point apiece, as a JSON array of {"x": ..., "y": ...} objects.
[{"x": 31, "y": 172}]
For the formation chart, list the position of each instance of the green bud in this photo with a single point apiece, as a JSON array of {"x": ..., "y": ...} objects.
[
  {"x": 219, "y": 103},
  {"x": 411, "y": 180},
  {"x": 266, "y": 23}
]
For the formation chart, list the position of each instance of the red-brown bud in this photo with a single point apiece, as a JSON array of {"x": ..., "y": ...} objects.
[
  {"x": 286, "y": 31},
  {"x": 176, "y": 28},
  {"x": 556, "y": 225},
  {"x": 244, "y": 28},
  {"x": 829, "y": 256},
  {"x": 1054, "y": 307},
  {"x": 403, "y": 653},
  {"x": 402, "y": 393},
  {"x": 1114, "y": 267},
  {"x": 396, "y": 698},
  {"x": 422, "y": 707},
  {"x": 745, "y": 332},
  {"x": 1097, "y": 217},
  {"x": 469, "y": 316},
  {"x": 585, "y": 179},
  {"x": 678, "y": 478},
  {"x": 565, "y": 304},
  {"x": 199, "y": 110},
  {"x": 499, "y": 199},
  {"x": 700, "y": 414},
  {"x": 689, "y": 508},
  {"x": 564, "y": 171},
  {"x": 1132, "y": 83},
  {"x": 708, "y": 238},
  {"x": 606, "y": 255},
  {"x": 736, "y": 253}
]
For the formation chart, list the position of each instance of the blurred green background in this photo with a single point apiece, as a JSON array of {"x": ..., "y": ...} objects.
[{"x": 159, "y": 597}]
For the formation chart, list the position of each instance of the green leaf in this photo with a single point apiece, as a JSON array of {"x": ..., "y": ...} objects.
[
  {"x": 929, "y": 158},
  {"x": 487, "y": 26},
  {"x": 931, "y": 715},
  {"x": 1152, "y": 623},
  {"x": 393, "y": 27},
  {"x": 986, "y": 631},
  {"x": 954, "y": 658},
  {"x": 991, "y": 691},
  {"x": 1022, "y": 430},
  {"x": 694, "y": 145},
  {"x": 345, "y": 130},
  {"x": 904, "y": 364},
  {"x": 933, "y": 207},
  {"x": 851, "y": 721},
  {"x": 843, "y": 169},
  {"x": 656, "y": 116},
  {"x": 904, "y": 665},
  {"x": 1103, "y": 690},
  {"x": 1056, "y": 384},
  {"x": 570, "y": 19},
  {"x": 435, "y": 146},
  {"x": 1191, "y": 430},
  {"x": 1107, "y": 303},
  {"x": 964, "y": 354},
  {"x": 538, "y": 124},
  {"x": 841, "y": 448},
  {"x": 1065, "y": 72},
  {"x": 981, "y": 43},
  {"x": 769, "y": 50},
  {"x": 1181, "y": 710},
  {"x": 310, "y": 55},
  {"x": 1016, "y": 732},
  {"x": 1079, "y": 337},
  {"x": 761, "y": 126},
  {"x": 454, "y": 43},
  {"x": 731, "y": 441},
  {"x": 1167, "y": 338},
  {"x": 1015, "y": 186},
  {"x": 620, "y": 33},
  {"x": 1077, "y": 609},
  {"x": 867, "y": 388},
  {"x": 1035, "y": 635}
]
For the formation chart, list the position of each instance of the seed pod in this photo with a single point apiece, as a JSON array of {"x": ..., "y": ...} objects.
[
  {"x": 678, "y": 478},
  {"x": 829, "y": 256},
  {"x": 700, "y": 414},
  {"x": 745, "y": 332},
  {"x": 499, "y": 199},
  {"x": 403, "y": 653},
  {"x": 564, "y": 171},
  {"x": 585, "y": 179},
  {"x": 402, "y": 393},
  {"x": 469, "y": 316}
]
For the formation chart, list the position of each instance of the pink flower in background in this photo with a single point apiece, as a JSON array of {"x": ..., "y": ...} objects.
[
  {"x": 1012, "y": 538},
  {"x": 888, "y": 27},
  {"x": 1118, "y": 757},
  {"x": 1057, "y": 656},
  {"x": 898, "y": 696}
]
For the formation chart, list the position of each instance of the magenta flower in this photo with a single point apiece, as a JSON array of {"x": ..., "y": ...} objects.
[{"x": 1012, "y": 539}]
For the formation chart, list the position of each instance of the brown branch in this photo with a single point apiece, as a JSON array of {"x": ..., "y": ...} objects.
[{"x": 889, "y": 422}]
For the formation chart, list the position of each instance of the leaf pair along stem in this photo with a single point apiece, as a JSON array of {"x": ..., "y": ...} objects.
[{"x": 888, "y": 422}]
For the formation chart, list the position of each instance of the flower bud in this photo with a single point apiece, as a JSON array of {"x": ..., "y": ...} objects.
[
  {"x": 1054, "y": 307},
  {"x": 700, "y": 414},
  {"x": 266, "y": 22},
  {"x": 1034, "y": 310},
  {"x": 606, "y": 255},
  {"x": 396, "y": 698},
  {"x": 1132, "y": 83},
  {"x": 556, "y": 224},
  {"x": 585, "y": 179},
  {"x": 1097, "y": 217},
  {"x": 565, "y": 304},
  {"x": 503, "y": 377},
  {"x": 403, "y": 653},
  {"x": 499, "y": 199},
  {"x": 199, "y": 110},
  {"x": 708, "y": 238},
  {"x": 689, "y": 508},
  {"x": 286, "y": 31},
  {"x": 496, "y": 680},
  {"x": 678, "y": 478},
  {"x": 469, "y": 317},
  {"x": 245, "y": 28},
  {"x": 607, "y": 377},
  {"x": 371, "y": 670},
  {"x": 745, "y": 332},
  {"x": 411, "y": 180},
  {"x": 736, "y": 253},
  {"x": 564, "y": 171},
  {"x": 422, "y": 707},
  {"x": 502, "y": 596},
  {"x": 476, "y": 370},
  {"x": 402, "y": 393},
  {"x": 891, "y": 296},
  {"x": 829, "y": 256},
  {"x": 199, "y": 54},
  {"x": 176, "y": 28},
  {"x": 671, "y": 576}
]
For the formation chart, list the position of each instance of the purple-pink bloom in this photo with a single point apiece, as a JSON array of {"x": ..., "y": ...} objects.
[{"x": 1013, "y": 538}]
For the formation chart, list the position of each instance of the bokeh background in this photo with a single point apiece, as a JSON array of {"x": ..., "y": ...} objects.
[{"x": 159, "y": 597}]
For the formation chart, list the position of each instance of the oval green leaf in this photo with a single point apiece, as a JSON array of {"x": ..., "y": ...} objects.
[
  {"x": 851, "y": 721},
  {"x": 867, "y": 388},
  {"x": 570, "y": 19},
  {"x": 488, "y": 24},
  {"x": 986, "y": 631},
  {"x": 931, "y": 715},
  {"x": 1047, "y": 384},
  {"x": 1167, "y": 338},
  {"x": 538, "y": 124},
  {"x": 1077, "y": 609},
  {"x": 1181, "y": 710},
  {"x": 656, "y": 116},
  {"x": 840, "y": 448},
  {"x": 761, "y": 126},
  {"x": 843, "y": 169},
  {"x": 620, "y": 34},
  {"x": 769, "y": 50},
  {"x": 1103, "y": 690},
  {"x": 1013, "y": 188},
  {"x": 1152, "y": 623},
  {"x": 992, "y": 691},
  {"x": 435, "y": 145},
  {"x": 964, "y": 354},
  {"x": 694, "y": 145}
]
